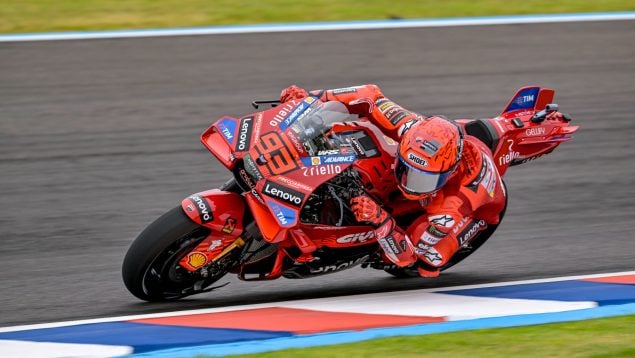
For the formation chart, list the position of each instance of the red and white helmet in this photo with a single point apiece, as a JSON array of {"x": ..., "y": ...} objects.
[{"x": 428, "y": 155}]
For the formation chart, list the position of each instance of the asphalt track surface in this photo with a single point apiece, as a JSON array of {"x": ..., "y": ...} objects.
[{"x": 100, "y": 137}]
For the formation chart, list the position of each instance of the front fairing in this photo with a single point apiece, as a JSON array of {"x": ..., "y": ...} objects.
[{"x": 279, "y": 156}]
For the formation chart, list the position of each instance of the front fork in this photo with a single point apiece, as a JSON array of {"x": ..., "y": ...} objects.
[{"x": 223, "y": 213}]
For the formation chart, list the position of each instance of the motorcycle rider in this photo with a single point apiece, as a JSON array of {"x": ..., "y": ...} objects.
[{"x": 451, "y": 174}]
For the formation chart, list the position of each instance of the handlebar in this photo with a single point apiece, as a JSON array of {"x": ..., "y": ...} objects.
[
  {"x": 273, "y": 103},
  {"x": 540, "y": 116}
]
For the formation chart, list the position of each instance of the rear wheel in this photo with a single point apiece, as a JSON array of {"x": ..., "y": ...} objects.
[
  {"x": 402, "y": 272},
  {"x": 151, "y": 269}
]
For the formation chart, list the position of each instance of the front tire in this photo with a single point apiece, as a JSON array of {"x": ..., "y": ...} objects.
[{"x": 151, "y": 269}]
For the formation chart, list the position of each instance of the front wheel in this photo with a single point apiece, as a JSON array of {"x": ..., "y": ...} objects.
[{"x": 151, "y": 269}]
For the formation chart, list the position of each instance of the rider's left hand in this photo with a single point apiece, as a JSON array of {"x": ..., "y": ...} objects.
[
  {"x": 367, "y": 210},
  {"x": 292, "y": 92},
  {"x": 557, "y": 116}
]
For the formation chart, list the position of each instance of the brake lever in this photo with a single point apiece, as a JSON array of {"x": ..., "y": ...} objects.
[
  {"x": 540, "y": 116},
  {"x": 273, "y": 103}
]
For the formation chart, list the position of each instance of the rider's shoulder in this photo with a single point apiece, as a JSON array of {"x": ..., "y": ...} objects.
[
  {"x": 472, "y": 160},
  {"x": 373, "y": 89}
]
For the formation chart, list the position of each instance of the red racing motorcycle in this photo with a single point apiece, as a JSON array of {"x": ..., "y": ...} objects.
[{"x": 285, "y": 211}]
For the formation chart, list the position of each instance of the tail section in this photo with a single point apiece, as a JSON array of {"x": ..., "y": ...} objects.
[
  {"x": 526, "y": 129},
  {"x": 528, "y": 100}
]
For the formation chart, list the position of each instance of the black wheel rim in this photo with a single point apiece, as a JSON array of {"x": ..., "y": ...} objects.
[{"x": 164, "y": 278}]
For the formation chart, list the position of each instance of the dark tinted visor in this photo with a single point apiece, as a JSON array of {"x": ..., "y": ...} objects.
[{"x": 416, "y": 181}]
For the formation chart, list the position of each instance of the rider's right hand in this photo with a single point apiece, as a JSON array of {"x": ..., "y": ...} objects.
[
  {"x": 367, "y": 210},
  {"x": 292, "y": 92}
]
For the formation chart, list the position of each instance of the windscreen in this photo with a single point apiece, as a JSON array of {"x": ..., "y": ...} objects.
[{"x": 311, "y": 129}]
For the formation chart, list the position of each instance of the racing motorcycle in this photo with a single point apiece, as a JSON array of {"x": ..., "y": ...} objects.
[{"x": 285, "y": 211}]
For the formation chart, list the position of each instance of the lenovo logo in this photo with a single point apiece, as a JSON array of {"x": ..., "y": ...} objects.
[
  {"x": 204, "y": 212},
  {"x": 244, "y": 134},
  {"x": 285, "y": 194}
]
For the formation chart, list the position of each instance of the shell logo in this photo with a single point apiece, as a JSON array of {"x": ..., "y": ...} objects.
[
  {"x": 316, "y": 161},
  {"x": 197, "y": 259}
]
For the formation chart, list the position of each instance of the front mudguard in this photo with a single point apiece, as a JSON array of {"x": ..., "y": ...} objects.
[{"x": 221, "y": 211}]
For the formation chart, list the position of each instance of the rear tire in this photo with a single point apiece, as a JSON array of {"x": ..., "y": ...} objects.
[
  {"x": 403, "y": 272},
  {"x": 151, "y": 269}
]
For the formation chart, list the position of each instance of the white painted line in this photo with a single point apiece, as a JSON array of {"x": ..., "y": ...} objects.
[
  {"x": 321, "y": 26},
  {"x": 290, "y": 303},
  {"x": 21, "y": 349},
  {"x": 429, "y": 304}
]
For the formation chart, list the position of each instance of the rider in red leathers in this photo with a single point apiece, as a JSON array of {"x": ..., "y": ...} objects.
[{"x": 450, "y": 173}]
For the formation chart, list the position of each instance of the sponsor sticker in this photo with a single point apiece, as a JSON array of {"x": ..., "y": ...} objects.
[
  {"x": 510, "y": 155},
  {"x": 329, "y": 152},
  {"x": 230, "y": 225},
  {"x": 431, "y": 147},
  {"x": 489, "y": 180},
  {"x": 397, "y": 118},
  {"x": 339, "y": 265},
  {"x": 325, "y": 164},
  {"x": 432, "y": 230},
  {"x": 406, "y": 126},
  {"x": 298, "y": 112},
  {"x": 357, "y": 147},
  {"x": 394, "y": 246},
  {"x": 283, "y": 193},
  {"x": 204, "y": 211},
  {"x": 460, "y": 225},
  {"x": 442, "y": 220},
  {"x": 328, "y": 159},
  {"x": 393, "y": 112},
  {"x": 480, "y": 175},
  {"x": 381, "y": 101},
  {"x": 339, "y": 159},
  {"x": 536, "y": 131},
  {"x": 197, "y": 259},
  {"x": 244, "y": 176},
  {"x": 470, "y": 231},
  {"x": 385, "y": 106},
  {"x": 257, "y": 195},
  {"x": 329, "y": 169},
  {"x": 433, "y": 256},
  {"x": 282, "y": 114},
  {"x": 296, "y": 142},
  {"x": 294, "y": 183},
  {"x": 344, "y": 90},
  {"x": 525, "y": 99},
  {"x": 252, "y": 168},
  {"x": 417, "y": 159},
  {"x": 356, "y": 237},
  {"x": 227, "y": 128},
  {"x": 215, "y": 244},
  {"x": 387, "y": 250},
  {"x": 429, "y": 239},
  {"x": 244, "y": 134},
  {"x": 284, "y": 215},
  {"x": 257, "y": 125}
]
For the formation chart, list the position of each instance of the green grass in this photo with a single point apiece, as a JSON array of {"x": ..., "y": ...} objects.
[
  {"x": 64, "y": 15},
  {"x": 607, "y": 337}
]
